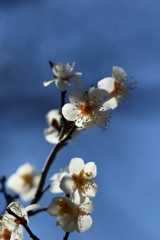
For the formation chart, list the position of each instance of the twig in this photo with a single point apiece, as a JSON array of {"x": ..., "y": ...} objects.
[
  {"x": 49, "y": 162},
  {"x": 31, "y": 213},
  {"x": 23, "y": 223},
  {"x": 66, "y": 236}
]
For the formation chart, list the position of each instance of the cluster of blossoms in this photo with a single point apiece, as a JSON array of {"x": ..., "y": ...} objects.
[
  {"x": 11, "y": 227},
  {"x": 78, "y": 183},
  {"x": 86, "y": 109}
]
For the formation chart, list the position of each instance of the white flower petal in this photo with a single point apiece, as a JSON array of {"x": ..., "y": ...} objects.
[
  {"x": 26, "y": 168},
  {"x": 118, "y": 73},
  {"x": 15, "y": 183},
  {"x": 96, "y": 95},
  {"x": 107, "y": 85},
  {"x": 90, "y": 170},
  {"x": 66, "y": 183},
  {"x": 62, "y": 85},
  {"x": 78, "y": 197},
  {"x": 32, "y": 206},
  {"x": 76, "y": 165},
  {"x": 77, "y": 80},
  {"x": 69, "y": 228},
  {"x": 88, "y": 124},
  {"x": 92, "y": 191},
  {"x": 53, "y": 114},
  {"x": 47, "y": 82},
  {"x": 70, "y": 112},
  {"x": 111, "y": 103},
  {"x": 77, "y": 96},
  {"x": 87, "y": 206},
  {"x": 83, "y": 223},
  {"x": 51, "y": 135}
]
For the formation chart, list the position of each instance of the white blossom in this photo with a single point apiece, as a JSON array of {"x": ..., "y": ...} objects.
[
  {"x": 63, "y": 76},
  {"x": 53, "y": 119},
  {"x": 115, "y": 88},
  {"x": 63, "y": 209},
  {"x": 11, "y": 223},
  {"x": 86, "y": 108},
  {"x": 79, "y": 180},
  {"x": 56, "y": 178},
  {"x": 84, "y": 221},
  {"x": 24, "y": 182}
]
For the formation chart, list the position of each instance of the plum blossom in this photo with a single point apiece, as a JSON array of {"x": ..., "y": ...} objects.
[
  {"x": 53, "y": 118},
  {"x": 11, "y": 225},
  {"x": 86, "y": 108},
  {"x": 8, "y": 234},
  {"x": 63, "y": 209},
  {"x": 115, "y": 89},
  {"x": 84, "y": 221},
  {"x": 79, "y": 180},
  {"x": 63, "y": 76},
  {"x": 54, "y": 186},
  {"x": 24, "y": 182}
]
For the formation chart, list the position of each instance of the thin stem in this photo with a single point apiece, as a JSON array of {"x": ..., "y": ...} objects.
[
  {"x": 23, "y": 223},
  {"x": 48, "y": 164},
  {"x": 66, "y": 236},
  {"x": 31, "y": 213}
]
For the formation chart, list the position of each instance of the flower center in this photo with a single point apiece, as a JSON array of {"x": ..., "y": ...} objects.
[
  {"x": 116, "y": 87},
  {"x": 64, "y": 208},
  {"x": 6, "y": 235},
  {"x": 28, "y": 178},
  {"x": 86, "y": 109},
  {"x": 81, "y": 182}
]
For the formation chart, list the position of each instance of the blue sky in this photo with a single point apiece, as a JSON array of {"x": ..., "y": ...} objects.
[{"x": 96, "y": 35}]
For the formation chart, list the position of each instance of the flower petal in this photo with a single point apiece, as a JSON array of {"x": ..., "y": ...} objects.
[
  {"x": 78, "y": 197},
  {"x": 107, "y": 85},
  {"x": 32, "y": 206},
  {"x": 53, "y": 114},
  {"x": 92, "y": 190},
  {"x": 51, "y": 135},
  {"x": 67, "y": 183},
  {"x": 47, "y": 82},
  {"x": 70, "y": 112},
  {"x": 77, "y": 96},
  {"x": 83, "y": 223},
  {"x": 118, "y": 73},
  {"x": 62, "y": 85},
  {"x": 77, "y": 80},
  {"x": 76, "y": 165},
  {"x": 90, "y": 170},
  {"x": 111, "y": 103},
  {"x": 96, "y": 95}
]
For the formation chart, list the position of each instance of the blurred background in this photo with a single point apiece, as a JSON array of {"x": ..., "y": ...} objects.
[{"x": 96, "y": 34}]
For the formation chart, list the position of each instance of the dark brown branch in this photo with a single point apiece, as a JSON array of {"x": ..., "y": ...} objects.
[
  {"x": 48, "y": 164},
  {"x": 66, "y": 236},
  {"x": 21, "y": 220},
  {"x": 31, "y": 213}
]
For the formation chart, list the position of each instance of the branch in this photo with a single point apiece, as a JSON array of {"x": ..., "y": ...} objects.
[
  {"x": 48, "y": 164},
  {"x": 21, "y": 220},
  {"x": 66, "y": 236}
]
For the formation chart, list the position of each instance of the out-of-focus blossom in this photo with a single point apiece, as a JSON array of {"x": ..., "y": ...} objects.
[
  {"x": 8, "y": 234},
  {"x": 115, "y": 88},
  {"x": 56, "y": 178},
  {"x": 63, "y": 209},
  {"x": 79, "y": 180},
  {"x": 24, "y": 182},
  {"x": 63, "y": 76},
  {"x": 86, "y": 108},
  {"x": 53, "y": 119},
  {"x": 84, "y": 221},
  {"x": 10, "y": 224}
]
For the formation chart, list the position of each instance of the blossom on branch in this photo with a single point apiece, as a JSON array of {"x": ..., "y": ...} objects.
[
  {"x": 56, "y": 178},
  {"x": 63, "y": 209},
  {"x": 115, "y": 88},
  {"x": 86, "y": 108},
  {"x": 84, "y": 221},
  {"x": 10, "y": 224},
  {"x": 63, "y": 77},
  {"x": 24, "y": 182},
  {"x": 79, "y": 180},
  {"x": 53, "y": 119}
]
